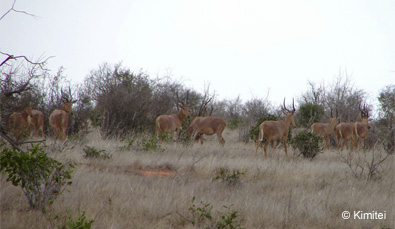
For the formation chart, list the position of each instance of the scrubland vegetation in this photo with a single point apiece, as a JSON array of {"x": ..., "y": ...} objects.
[{"x": 272, "y": 192}]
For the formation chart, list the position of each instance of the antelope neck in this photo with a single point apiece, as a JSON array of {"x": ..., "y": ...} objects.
[
  {"x": 287, "y": 121},
  {"x": 63, "y": 109},
  {"x": 181, "y": 115}
]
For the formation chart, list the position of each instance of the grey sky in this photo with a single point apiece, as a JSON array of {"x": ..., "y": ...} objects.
[{"x": 240, "y": 47}]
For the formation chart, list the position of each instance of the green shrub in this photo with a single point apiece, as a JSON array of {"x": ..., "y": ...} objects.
[
  {"x": 68, "y": 222},
  {"x": 92, "y": 152},
  {"x": 129, "y": 143},
  {"x": 81, "y": 222},
  {"x": 307, "y": 143},
  {"x": 229, "y": 219},
  {"x": 202, "y": 217},
  {"x": 150, "y": 144},
  {"x": 310, "y": 113},
  {"x": 230, "y": 179},
  {"x": 233, "y": 123},
  {"x": 41, "y": 177}
]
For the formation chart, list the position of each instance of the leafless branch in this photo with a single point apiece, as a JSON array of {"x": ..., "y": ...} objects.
[
  {"x": 17, "y": 11},
  {"x": 12, "y": 57}
]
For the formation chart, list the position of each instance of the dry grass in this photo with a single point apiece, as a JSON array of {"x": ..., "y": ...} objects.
[{"x": 274, "y": 192}]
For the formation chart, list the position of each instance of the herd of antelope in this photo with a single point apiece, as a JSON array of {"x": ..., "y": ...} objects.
[
  {"x": 58, "y": 120},
  {"x": 171, "y": 124}
]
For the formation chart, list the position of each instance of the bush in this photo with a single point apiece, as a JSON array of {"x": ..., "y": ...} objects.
[
  {"x": 233, "y": 123},
  {"x": 92, "y": 152},
  {"x": 202, "y": 217},
  {"x": 307, "y": 143},
  {"x": 68, "y": 222},
  {"x": 81, "y": 222},
  {"x": 150, "y": 144},
  {"x": 364, "y": 165},
  {"x": 41, "y": 178},
  {"x": 310, "y": 113},
  {"x": 230, "y": 179}
]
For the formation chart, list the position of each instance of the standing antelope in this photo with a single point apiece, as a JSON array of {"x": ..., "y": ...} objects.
[
  {"x": 361, "y": 127},
  {"x": 170, "y": 124},
  {"x": 275, "y": 130},
  {"x": 19, "y": 122},
  {"x": 59, "y": 119},
  {"x": 37, "y": 122},
  {"x": 324, "y": 129},
  {"x": 344, "y": 132},
  {"x": 207, "y": 126}
]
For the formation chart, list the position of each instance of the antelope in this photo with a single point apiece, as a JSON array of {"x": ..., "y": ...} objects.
[
  {"x": 170, "y": 124},
  {"x": 275, "y": 130},
  {"x": 37, "y": 121},
  {"x": 59, "y": 119},
  {"x": 361, "y": 127},
  {"x": 19, "y": 122},
  {"x": 207, "y": 126},
  {"x": 325, "y": 129},
  {"x": 344, "y": 132}
]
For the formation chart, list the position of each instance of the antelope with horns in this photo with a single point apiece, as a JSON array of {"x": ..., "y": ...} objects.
[
  {"x": 276, "y": 130},
  {"x": 361, "y": 127},
  {"x": 59, "y": 119}
]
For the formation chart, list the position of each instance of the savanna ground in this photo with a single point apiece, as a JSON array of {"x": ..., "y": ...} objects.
[{"x": 272, "y": 192}]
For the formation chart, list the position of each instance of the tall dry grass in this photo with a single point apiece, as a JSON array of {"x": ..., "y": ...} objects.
[{"x": 274, "y": 192}]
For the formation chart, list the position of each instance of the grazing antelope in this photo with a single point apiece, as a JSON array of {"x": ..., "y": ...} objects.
[
  {"x": 59, "y": 119},
  {"x": 344, "y": 132},
  {"x": 19, "y": 122},
  {"x": 276, "y": 130},
  {"x": 325, "y": 129},
  {"x": 207, "y": 126},
  {"x": 37, "y": 121},
  {"x": 361, "y": 127},
  {"x": 170, "y": 124}
]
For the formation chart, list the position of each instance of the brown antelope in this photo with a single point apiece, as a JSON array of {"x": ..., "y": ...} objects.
[
  {"x": 344, "y": 132},
  {"x": 276, "y": 130},
  {"x": 37, "y": 121},
  {"x": 361, "y": 127},
  {"x": 59, "y": 119},
  {"x": 170, "y": 124},
  {"x": 19, "y": 122},
  {"x": 207, "y": 126},
  {"x": 325, "y": 130}
]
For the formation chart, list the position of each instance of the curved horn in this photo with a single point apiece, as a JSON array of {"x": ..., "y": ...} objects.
[
  {"x": 293, "y": 106},
  {"x": 284, "y": 107}
]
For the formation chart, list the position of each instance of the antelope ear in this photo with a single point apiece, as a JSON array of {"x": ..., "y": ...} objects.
[{"x": 74, "y": 101}]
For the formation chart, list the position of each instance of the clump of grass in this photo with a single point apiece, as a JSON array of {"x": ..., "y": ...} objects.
[
  {"x": 229, "y": 178},
  {"x": 201, "y": 216},
  {"x": 68, "y": 222},
  {"x": 92, "y": 152},
  {"x": 143, "y": 144}
]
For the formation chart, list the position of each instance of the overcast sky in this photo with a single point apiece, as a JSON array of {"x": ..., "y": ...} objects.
[{"x": 239, "y": 47}]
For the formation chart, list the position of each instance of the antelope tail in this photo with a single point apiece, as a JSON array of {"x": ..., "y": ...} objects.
[
  {"x": 340, "y": 133},
  {"x": 157, "y": 127},
  {"x": 356, "y": 130}
]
